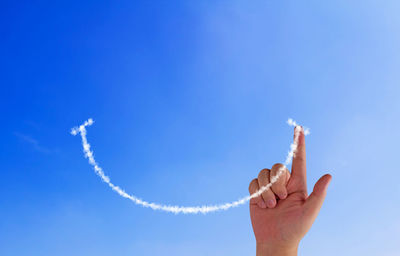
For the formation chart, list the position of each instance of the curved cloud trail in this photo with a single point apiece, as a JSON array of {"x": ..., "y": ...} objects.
[{"x": 175, "y": 208}]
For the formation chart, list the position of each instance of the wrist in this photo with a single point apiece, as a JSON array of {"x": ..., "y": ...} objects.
[{"x": 264, "y": 249}]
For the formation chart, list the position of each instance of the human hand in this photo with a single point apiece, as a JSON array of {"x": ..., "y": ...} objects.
[{"x": 283, "y": 214}]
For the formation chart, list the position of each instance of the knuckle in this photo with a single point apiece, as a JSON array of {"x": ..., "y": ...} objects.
[
  {"x": 252, "y": 184},
  {"x": 264, "y": 173},
  {"x": 278, "y": 188},
  {"x": 267, "y": 195},
  {"x": 277, "y": 166},
  {"x": 299, "y": 157},
  {"x": 278, "y": 180}
]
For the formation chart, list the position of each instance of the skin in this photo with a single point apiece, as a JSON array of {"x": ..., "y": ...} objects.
[{"x": 282, "y": 215}]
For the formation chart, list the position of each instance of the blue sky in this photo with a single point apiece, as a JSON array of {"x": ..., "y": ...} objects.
[{"x": 190, "y": 100}]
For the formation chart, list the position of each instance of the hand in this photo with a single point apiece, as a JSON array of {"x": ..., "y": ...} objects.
[{"x": 283, "y": 214}]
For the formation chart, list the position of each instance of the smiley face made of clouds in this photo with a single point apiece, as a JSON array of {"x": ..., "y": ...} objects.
[{"x": 81, "y": 130}]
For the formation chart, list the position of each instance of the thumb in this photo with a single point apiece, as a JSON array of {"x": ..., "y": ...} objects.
[{"x": 314, "y": 201}]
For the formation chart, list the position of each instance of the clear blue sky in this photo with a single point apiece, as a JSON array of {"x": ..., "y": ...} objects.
[{"x": 190, "y": 100}]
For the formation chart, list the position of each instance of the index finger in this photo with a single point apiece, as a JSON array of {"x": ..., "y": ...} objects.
[{"x": 299, "y": 176}]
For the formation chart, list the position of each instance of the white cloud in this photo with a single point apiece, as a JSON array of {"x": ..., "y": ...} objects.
[{"x": 35, "y": 144}]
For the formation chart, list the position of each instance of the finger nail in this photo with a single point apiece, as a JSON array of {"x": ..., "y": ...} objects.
[
  {"x": 283, "y": 196},
  {"x": 271, "y": 203},
  {"x": 262, "y": 204},
  {"x": 329, "y": 181}
]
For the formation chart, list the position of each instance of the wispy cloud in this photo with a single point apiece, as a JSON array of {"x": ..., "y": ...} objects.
[{"x": 33, "y": 142}]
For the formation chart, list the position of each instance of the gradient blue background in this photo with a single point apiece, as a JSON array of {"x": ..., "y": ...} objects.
[{"x": 190, "y": 100}]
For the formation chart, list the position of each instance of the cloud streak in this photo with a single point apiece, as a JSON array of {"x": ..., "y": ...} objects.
[
  {"x": 33, "y": 142},
  {"x": 81, "y": 130}
]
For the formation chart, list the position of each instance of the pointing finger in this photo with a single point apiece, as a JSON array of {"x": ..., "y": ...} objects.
[{"x": 298, "y": 175}]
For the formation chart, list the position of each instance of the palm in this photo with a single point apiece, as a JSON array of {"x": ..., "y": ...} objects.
[{"x": 282, "y": 223}]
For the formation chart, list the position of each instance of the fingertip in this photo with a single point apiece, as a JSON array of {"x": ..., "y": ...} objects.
[
  {"x": 262, "y": 204},
  {"x": 328, "y": 178},
  {"x": 271, "y": 203},
  {"x": 322, "y": 184}
]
